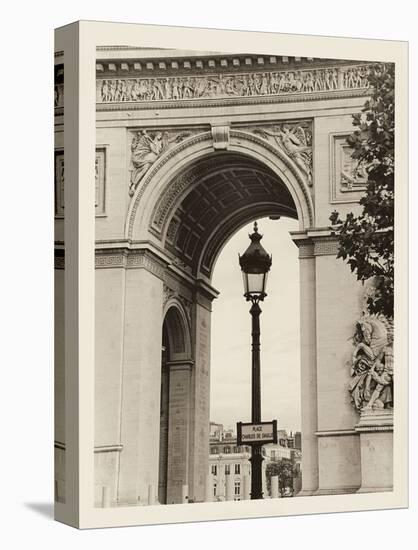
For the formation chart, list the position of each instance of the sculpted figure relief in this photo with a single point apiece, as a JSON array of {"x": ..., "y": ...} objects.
[
  {"x": 233, "y": 85},
  {"x": 296, "y": 142},
  {"x": 371, "y": 386},
  {"x": 146, "y": 149}
]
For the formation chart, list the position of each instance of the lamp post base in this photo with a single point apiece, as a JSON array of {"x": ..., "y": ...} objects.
[{"x": 256, "y": 473}]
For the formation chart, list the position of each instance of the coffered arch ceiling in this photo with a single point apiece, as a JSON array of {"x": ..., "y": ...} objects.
[{"x": 226, "y": 191}]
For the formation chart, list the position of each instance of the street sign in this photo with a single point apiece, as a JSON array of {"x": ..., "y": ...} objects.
[{"x": 257, "y": 433}]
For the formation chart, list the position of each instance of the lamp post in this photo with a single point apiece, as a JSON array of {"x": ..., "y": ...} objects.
[{"x": 255, "y": 264}]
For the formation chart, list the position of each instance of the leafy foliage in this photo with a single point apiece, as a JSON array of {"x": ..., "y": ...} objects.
[
  {"x": 284, "y": 470},
  {"x": 366, "y": 242}
]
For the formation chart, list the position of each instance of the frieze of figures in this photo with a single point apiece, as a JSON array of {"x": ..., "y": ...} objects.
[{"x": 174, "y": 88}]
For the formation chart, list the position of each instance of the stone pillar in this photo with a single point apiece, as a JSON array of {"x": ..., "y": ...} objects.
[
  {"x": 246, "y": 481},
  {"x": 309, "y": 405},
  {"x": 200, "y": 391},
  {"x": 209, "y": 488},
  {"x": 178, "y": 429},
  {"x": 229, "y": 487},
  {"x": 140, "y": 418},
  {"x": 338, "y": 305},
  {"x": 274, "y": 486},
  {"x": 376, "y": 449}
]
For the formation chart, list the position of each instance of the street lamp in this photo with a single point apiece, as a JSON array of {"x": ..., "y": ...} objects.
[{"x": 255, "y": 264}]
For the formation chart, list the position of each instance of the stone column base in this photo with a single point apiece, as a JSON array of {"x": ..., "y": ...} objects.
[{"x": 376, "y": 449}]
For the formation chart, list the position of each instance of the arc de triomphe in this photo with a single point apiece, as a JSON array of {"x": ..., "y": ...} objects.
[{"x": 190, "y": 148}]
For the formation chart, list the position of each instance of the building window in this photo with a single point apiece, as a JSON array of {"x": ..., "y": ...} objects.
[
  {"x": 214, "y": 470},
  {"x": 236, "y": 449},
  {"x": 227, "y": 450},
  {"x": 214, "y": 489},
  {"x": 214, "y": 451},
  {"x": 237, "y": 488},
  {"x": 237, "y": 468},
  {"x": 227, "y": 469}
]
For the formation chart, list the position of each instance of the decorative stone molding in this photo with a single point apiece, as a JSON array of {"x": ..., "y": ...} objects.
[
  {"x": 130, "y": 259},
  {"x": 177, "y": 262},
  {"x": 162, "y": 160},
  {"x": 108, "y": 449},
  {"x": 376, "y": 420},
  {"x": 169, "y": 198},
  {"x": 326, "y": 246},
  {"x": 107, "y": 259},
  {"x": 371, "y": 385},
  {"x": 227, "y": 85},
  {"x": 187, "y": 306},
  {"x": 181, "y": 364},
  {"x": 335, "y": 433},
  {"x": 220, "y": 136},
  {"x": 173, "y": 192},
  {"x": 306, "y": 250},
  {"x": 143, "y": 259},
  {"x": 295, "y": 141},
  {"x": 316, "y": 242},
  {"x": 168, "y": 293},
  {"x": 98, "y": 449}
]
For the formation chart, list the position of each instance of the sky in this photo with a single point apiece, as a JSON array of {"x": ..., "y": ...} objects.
[{"x": 231, "y": 332}]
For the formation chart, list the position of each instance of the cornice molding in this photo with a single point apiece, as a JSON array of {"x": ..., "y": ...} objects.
[
  {"x": 167, "y": 62},
  {"x": 316, "y": 242},
  {"x": 131, "y": 259}
]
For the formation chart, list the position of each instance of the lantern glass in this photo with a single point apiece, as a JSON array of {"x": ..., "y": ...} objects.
[{"x": 255, "y": 283}]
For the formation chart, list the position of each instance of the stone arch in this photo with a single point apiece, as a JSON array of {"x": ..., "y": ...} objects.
[
  {"x": 156, "y": 195},
  {"x": 177, "y": 327}
]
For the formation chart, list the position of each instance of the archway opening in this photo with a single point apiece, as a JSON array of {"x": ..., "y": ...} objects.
[
  {"x": 225, "y": 192},
  {"x": 174, "y": 406},
  {"x": 230, "y": 392}
]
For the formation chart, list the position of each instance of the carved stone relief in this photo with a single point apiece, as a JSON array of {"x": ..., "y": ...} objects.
[
  {"x": 59, "y": 86},
  {"x": 99, "y": 182},
  {"x": 349, "y": 176},
  {"x": 295, "y": 141},
  {"x": 59, "y": 183},
  {"x": 175, "y": 88},
  {"x": 371, "y": 385},
  {"x": 146, "y": 148}
]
